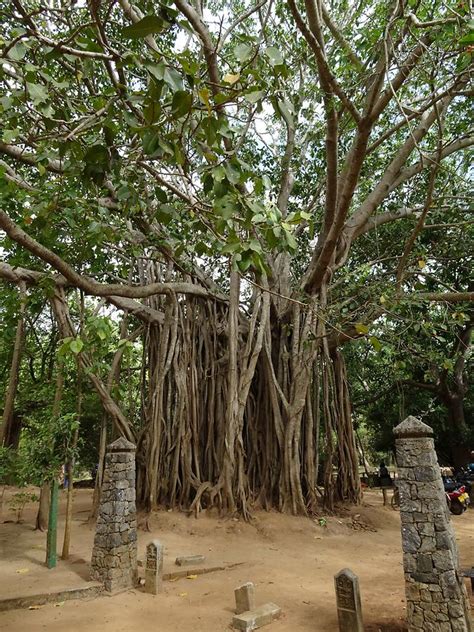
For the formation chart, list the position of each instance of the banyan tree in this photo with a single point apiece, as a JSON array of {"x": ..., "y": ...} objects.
[{"x": 244, "y": 186}]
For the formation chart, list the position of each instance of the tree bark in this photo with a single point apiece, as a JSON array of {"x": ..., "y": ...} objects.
[
  {"x": 43, "y": 508},
  {"x": 460, "y": 450}
]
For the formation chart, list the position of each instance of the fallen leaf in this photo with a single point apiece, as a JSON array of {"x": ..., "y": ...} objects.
[
  {"x": 183, "y": 594},
  {"x": 191, "y": 576},
  {"x": 23, "y": 570}
]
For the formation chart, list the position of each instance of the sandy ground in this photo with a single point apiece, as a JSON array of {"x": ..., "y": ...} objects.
[{"x": 291, "y": 560}]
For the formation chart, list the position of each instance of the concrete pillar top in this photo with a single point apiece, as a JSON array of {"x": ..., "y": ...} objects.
[
  {"x": 121, "y": 445},
  {"x": 412, "y": 427}
]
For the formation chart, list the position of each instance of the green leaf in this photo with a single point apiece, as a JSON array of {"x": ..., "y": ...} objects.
[
  {"x": 151, "y": 141},
  {"x": 242, "y": 52},
  {"x": 6, "y": 103},
  {"x": 233, "y": 173},
  {"x": 173, "y": 79},
  {"x": 291, "y": 241},
  {"x": 182, "y": 103},
  {"x": 64, "y": 347},
  {"x": 254, "y": 96},
  {"x": 76, "y": 345},
  {"x": 361, "y": 328},
  {"x": 148, "y": 25},
  {"x": 218, "y": 173},
  {"x": 37, "y": 92},
  {"x": 17, "y": 52},
  {"x": 161, "y": 195},
  {"x": 245, "y": 261},
  {"x": 157, "y": 70},
  {"x": 225, "y": 206},
  {"x": 467, "y": 39},
  {"x": 375, "y": 342},
  {"x": 274, "y": 56},
  {"x": 9, "y": 135},
  {"x": 232, "y": 247},
  {"x": 267, "y": 183}
]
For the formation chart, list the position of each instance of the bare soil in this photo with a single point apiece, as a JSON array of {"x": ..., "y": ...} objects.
[{"x": 291, "y": 560}]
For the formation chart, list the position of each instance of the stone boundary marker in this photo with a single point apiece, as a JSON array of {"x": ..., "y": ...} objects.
[
  {"x": 114, "y": 556},
  {"x": 184, "y": 560},
  {"x": 248, "y": 617},
  {"x": 349, "y": 609},
  {"x": 244, "y": 598},
  {"x": 436, "y": 595},
  {"x": 154, "y": 567},
  {"x": 254, "y": 619}
]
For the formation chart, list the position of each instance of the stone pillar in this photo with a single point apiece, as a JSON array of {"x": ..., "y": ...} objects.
[
  {"x": 114, "y": 556},
  {"x": 349, "y": 609},
  {"x": 154, "y": 568},
  {"x": 436, "y": 596}
]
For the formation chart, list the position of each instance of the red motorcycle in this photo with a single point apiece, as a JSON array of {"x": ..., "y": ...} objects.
[{"x": 458, "y": 500}]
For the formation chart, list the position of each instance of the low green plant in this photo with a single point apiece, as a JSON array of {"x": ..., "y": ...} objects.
[{"x": 19, "y": 501}]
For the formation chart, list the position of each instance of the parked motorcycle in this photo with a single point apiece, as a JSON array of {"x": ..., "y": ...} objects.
[{"x": 458, "y": 500}]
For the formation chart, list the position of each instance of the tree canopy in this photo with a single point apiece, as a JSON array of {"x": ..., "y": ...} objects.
[{"x": 254, "y": 187}]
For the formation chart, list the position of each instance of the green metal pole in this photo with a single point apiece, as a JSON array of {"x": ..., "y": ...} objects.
[{"x": 51, "y": 555}]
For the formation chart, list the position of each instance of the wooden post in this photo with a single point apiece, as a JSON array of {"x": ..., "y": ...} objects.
[{"x": 51, "y": 555}]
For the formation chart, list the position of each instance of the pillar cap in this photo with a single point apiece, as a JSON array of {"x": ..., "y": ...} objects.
[
  {"x": 121, "y": 445},
  {"x": 412, "y": 427}
]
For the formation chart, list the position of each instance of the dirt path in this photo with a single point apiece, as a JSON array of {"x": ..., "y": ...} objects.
[{"x": 292, "y": 562}]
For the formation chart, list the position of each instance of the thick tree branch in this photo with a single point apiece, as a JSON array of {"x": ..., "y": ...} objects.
[
  {"x": 90, "y": 286},
  {"x": 409, "y": 172},
  {"x": 328, "y": 81},
  {"x": 19, "y": 275},
  {"x": 29, "y": 159}
]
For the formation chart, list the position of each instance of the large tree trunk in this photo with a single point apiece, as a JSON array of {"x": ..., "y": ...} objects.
[
  {"x": 459, "y": 448},
  {"x": 234, "y": 413}
]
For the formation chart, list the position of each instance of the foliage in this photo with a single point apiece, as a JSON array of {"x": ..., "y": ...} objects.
[
  {"x": 18, "y": 502},
  {"x": 47, "y": 446}
]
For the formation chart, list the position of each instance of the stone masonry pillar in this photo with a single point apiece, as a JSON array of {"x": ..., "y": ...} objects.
[
  {"x": 114, "y": 556},
  {"x": 436, "y": 596}
]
